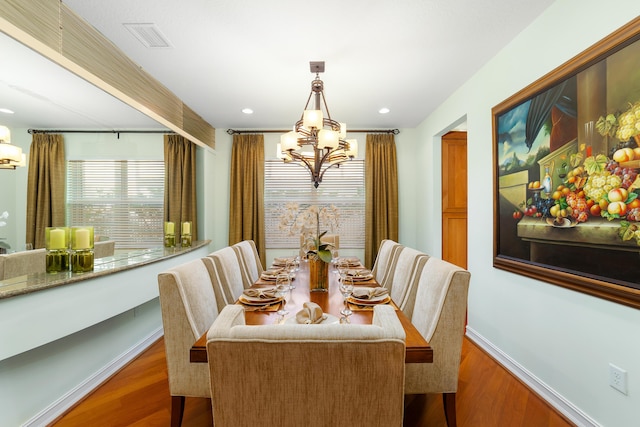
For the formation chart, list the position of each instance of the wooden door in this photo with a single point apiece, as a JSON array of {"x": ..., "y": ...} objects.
[{"x": 454, "y": 198}]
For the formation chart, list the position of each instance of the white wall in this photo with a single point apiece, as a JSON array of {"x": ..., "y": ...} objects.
[{"x": 558, "y": 338}]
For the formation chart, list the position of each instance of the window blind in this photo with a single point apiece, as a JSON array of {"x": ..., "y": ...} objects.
[
  {"x": 341, "y": 186},
  {"x": 122, "y": 199}
]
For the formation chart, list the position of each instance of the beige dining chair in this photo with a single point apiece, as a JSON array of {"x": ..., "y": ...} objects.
[
  {"x": 334, "y": 241},
  {"x": 404, "y": 282},
  {"x": 384, "y": 265},
  {"x": 440, "y": 314},
  {"x": 250, "y": 263},
  {"x": 229, "y": 272},
  {"x": 306, "y": 375},
  {"x": 188, "y": 307}
]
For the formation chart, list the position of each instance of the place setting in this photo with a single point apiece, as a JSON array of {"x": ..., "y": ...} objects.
[
  {"x": 365, "y": 298},
  {"x": 261, "y": 299}
]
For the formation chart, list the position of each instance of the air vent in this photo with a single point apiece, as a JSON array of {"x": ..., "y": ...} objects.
[{"x": 149, "y": 35}]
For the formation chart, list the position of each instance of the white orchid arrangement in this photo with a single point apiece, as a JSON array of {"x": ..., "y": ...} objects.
[
  {"x": 3, "y": 216},
  {"x": 308, "y": 223}
]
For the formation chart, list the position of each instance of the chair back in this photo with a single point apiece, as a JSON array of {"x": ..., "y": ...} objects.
[
  {"x": 222, "y": 294},
  {"x": 229, "y": 272},
  {"x": 104, "y": 248},
  {"x": 406, "y": 274},
  {"x": 384, "y": 266},
  {"x": 23, "y": 263},
  {"x": 189, "y": 308},
  {"x": 439, "y": 315},
  {"x": 250, "y": 263},
  {"x": 334, "y": 241},
  {"x": 306, "y": 375}
]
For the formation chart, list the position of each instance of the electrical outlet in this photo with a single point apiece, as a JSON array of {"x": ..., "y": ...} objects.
[{"x": 618, "y": 378}]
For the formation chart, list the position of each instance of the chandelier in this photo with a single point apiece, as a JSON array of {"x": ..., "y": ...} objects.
[
  {"x": 10, "y": 155},
  {"x": 317, "y": 131}
]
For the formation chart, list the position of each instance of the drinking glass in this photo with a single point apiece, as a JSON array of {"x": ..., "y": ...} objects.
[
  {"x": 283, "y": 287},
  {"x": 291, "y": 271},
  {"x": 346, "y": 287}
]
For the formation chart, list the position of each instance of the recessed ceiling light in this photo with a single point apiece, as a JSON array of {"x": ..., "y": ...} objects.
[
  {"x": 6, "y": 111},
  {"x": 247, "y": 110},
  {"x": 384, "y": 110}
]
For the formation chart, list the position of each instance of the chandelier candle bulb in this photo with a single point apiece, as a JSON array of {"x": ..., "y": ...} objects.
[{"x": 312, "y": 119}]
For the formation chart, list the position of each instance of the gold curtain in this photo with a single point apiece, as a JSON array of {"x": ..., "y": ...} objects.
[
  {"x": 246, "y": 204},
  {"x": 45, "y": 187},
  {"x": 381, "y": 194},
  {"x": 180, "y": 202}
]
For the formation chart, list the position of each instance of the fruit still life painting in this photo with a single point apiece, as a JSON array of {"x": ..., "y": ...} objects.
[{"x": 567, "y": 164}]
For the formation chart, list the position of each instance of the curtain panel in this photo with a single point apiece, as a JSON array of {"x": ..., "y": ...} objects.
[
  {"x": 180, "y": 202},
  {"x": 246, "y": 204},
  {"x": 381, "y": 194},
  {"x": 45, "y": 187}
]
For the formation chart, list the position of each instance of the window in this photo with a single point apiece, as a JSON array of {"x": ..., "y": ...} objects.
[
  {"x": 123, "y": 200},
  {"x": 341, "y": 186}
]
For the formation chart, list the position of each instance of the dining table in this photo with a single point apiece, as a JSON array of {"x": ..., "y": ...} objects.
[{"x": 331, "y": 301}]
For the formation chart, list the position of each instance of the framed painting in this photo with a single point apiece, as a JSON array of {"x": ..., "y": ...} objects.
[{"x": 566, "y": 173}]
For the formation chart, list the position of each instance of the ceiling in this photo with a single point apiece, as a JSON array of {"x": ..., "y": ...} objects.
[{"x": 226, "y": 55}]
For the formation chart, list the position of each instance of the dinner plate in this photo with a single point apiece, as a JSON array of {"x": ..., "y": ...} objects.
[
  {"x": 381, "y": 299},
  {"x": 257, "y": 300},
  {"x": 328, "y": 321}
]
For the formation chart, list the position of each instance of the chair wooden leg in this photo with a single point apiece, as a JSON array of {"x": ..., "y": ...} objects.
[
  {"x": 177, "y": 410},
  {"x": 449, "y": 401}
]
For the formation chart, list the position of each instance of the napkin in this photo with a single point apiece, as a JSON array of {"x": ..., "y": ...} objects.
[
  {"x": 366, "y": 293},
  {"x": 310, "y": 313},
  {"x": 266, "y": 293}
]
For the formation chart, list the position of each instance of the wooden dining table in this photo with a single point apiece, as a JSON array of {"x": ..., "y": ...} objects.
[{"x": 331, "y": 301}]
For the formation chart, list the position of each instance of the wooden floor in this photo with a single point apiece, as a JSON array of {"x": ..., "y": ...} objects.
[{"x": 487, "y": 396}]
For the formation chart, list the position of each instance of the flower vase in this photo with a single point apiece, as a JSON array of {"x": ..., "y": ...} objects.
[{"x": 318, "y": 275}]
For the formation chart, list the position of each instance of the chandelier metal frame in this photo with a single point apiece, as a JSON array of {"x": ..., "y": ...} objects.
[{"x": 322, "y": 158}]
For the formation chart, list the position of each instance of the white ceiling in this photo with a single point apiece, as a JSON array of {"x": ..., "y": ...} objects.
[{"x": 225, "y": 55}]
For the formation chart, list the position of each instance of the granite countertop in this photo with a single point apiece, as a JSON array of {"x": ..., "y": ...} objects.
[{"x": 121, "y": 260}]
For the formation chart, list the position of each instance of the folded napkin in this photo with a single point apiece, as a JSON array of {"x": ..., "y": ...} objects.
[
  {"x": 368, "y": 293},
  {"x": 266, "y": 293},
  {"x": 359, "y": 273},
  {"x": 273, "y": 272},
  {"x": 310, "y": 313}
]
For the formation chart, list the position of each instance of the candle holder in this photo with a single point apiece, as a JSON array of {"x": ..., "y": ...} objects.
[
  {"x": 82, "y": 249},
  {"x": 186, "y": 234},
  {"x": 57, "y": 252},
  {"x": 169, "y": 235}
]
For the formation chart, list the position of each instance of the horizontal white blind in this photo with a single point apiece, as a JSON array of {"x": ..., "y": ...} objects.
[
  {"x": 123, "y": 200},
  {"x": 342, "y": 187}
]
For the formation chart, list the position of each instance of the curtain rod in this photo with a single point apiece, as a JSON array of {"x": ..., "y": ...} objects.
[
  {"x": 34, "y": 131},
  {"x": 393, "y": 131}
]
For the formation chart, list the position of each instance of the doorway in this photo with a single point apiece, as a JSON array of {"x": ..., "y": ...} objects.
[{"x": 454, "y": 198}]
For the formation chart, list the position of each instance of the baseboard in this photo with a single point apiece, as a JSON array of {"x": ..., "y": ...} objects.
[
  {"x": 556, "y": 400},
  {"x": 75, "y": 395}
]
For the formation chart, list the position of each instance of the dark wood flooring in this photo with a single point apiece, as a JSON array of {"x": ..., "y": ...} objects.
[{"x": 488, "y": 396}]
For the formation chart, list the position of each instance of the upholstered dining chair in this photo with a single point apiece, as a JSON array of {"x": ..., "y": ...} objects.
[
  {"x": 439, "y": 315},
  {"x": 250, "y": 263},
  {"x": 333, "y": 240},
  {"x": 306, "y": 375},
  {"x": 229, "y": 273},
  {"x": 384, "y": 265},
  {"x": 404, "y": 282},
  {"x": 188, "y": 308}
]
